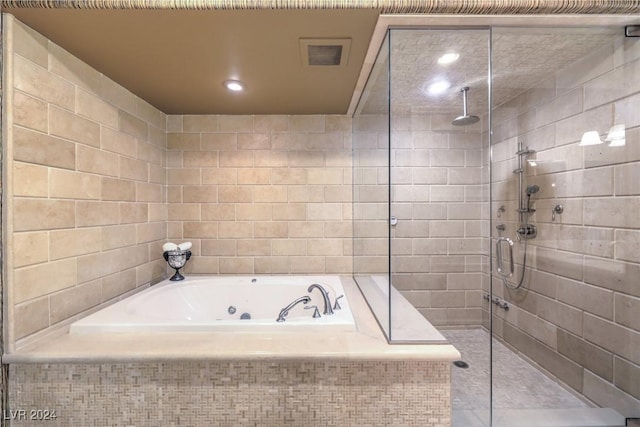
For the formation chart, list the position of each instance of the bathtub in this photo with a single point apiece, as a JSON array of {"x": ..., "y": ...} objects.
[{"x": 223, "y": 304}]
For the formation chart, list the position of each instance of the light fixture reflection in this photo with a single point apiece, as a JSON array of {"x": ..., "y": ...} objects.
[
  {"x": 448, "y": 58},
  {"x": 616, "y": 136},
  {"x": 591, "y": 137},
  {"x": 438, "y": 87}
]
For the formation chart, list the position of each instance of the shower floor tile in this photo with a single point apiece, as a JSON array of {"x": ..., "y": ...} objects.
[
  {"x": 523, "y": 396},
  {"x": 516, "y": 383}
]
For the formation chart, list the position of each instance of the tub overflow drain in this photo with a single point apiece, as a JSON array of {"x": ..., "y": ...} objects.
[
  {"x": 245, "y": 316},
  {"x": 461, "y": 364}
]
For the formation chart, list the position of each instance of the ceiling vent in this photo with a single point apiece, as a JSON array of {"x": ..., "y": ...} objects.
[{"x": 324, "y": 52}]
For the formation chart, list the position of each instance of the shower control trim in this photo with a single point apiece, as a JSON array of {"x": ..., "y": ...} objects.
[
  {"x": 558, "y": 209},
  {"x": 528, "y": 231}
]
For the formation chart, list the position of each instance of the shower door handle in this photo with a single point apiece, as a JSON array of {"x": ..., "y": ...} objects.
[{"x": 500, "y": 242}]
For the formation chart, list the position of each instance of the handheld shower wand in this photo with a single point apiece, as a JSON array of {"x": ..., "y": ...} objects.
[
  {"x": 531, "y": 189},
  {"x": 526, "y": 231}
]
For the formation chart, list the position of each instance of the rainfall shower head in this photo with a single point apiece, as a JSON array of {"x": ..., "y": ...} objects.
[
  {"x": 465, "y": 119},
  {"x": 532, "y": 189}
]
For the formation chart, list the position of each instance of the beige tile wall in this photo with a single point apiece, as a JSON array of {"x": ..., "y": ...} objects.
[
  {"x": 439, "y": 246},
  {"x": 261, "y": 194},
  {"x": 85, "y": 163},
  {"x": 577, "y": 316},
  {"x": 91, "y": 207}
]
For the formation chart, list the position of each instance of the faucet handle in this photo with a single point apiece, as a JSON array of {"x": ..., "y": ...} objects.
[
  {"x": 336, "y": 306},
  {"x": 316, "y": 313}
]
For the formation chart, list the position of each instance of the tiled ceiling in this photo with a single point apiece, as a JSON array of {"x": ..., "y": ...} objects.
[{"x": 521, "y": 59}]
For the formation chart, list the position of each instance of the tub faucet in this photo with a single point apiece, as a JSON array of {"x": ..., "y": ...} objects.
[
  {"x": 325, "y": 295},
  {"x": 283, "y": 313}
]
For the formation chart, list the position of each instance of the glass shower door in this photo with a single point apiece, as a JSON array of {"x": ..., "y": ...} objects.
[
  {"x": 496, "y": 191},
  {"x": 565, "y": 170},
  {"x": 371, "y": 253},
  {"x": 439, "y": 154}
]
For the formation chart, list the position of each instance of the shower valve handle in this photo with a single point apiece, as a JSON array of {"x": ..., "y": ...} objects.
[{"x": 527, "y": 231}]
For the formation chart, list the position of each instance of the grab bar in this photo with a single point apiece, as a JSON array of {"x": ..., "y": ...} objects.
[{"x": 499, "y": 259}]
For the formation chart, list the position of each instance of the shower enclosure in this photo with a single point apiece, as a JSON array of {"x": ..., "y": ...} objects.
[{"x": 512, "y": 228}]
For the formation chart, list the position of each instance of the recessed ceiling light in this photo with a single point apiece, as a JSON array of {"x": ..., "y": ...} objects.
[
  {"x": 438, "y": 87},
  {"x": 234, "y": 85},
  {"x": 448, "y": 58}
]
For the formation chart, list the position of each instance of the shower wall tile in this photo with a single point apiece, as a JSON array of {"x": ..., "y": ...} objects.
[
  {"x": 613, "y": 275},
  {"x": 585, "y": 297},
  {"x": 627, "y": 377},
  {"x": 627, "y": 245},
  {"x": 435, "y": 170},
  {"x": 627, "y": 180},
  {"x": 627, "y": 111},
  {"x": 538, "y": 328},
  {"x": 570, "y": 130},
  {"x": 586, "y": 354},
  {"x": 565, "y": 264},
  {"x": 607, "y": 395},
  {"x": 626, "y": 311},
  {"x": 603, "y": 155},
  {"x": 463, "y": 316},
  {"x": 83, "y": 148},
  {"x": 618, "y": 339},
  {"x": 594, "y": 64},
  {"x": 619, "y": 83},
  {"x": 563, "y": 106},
  {"x": 566, "y": 370},
  {"x": 584, "y": 267},
  {"x": 562, "y": 315}
]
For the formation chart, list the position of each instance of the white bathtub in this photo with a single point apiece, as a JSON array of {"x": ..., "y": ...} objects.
[{"x": 216, "y": 303}]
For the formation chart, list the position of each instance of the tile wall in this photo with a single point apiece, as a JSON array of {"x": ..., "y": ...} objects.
[
  {"x": 577, "y": 316},
  {"x": 100, "y": 180},
  {"x": 256, "y": 393},
  {"x": 439, "y": 246},
  {"x": 85, "y": 163},
  {"x": 261, "y": 194}
]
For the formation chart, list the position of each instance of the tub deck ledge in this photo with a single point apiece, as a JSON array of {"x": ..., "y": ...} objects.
[{"x": 367, "y": 343}]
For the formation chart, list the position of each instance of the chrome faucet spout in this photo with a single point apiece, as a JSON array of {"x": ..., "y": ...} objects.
[
  {"x": 285, "y": 311},
  {"x": 325, "y": 296}
]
